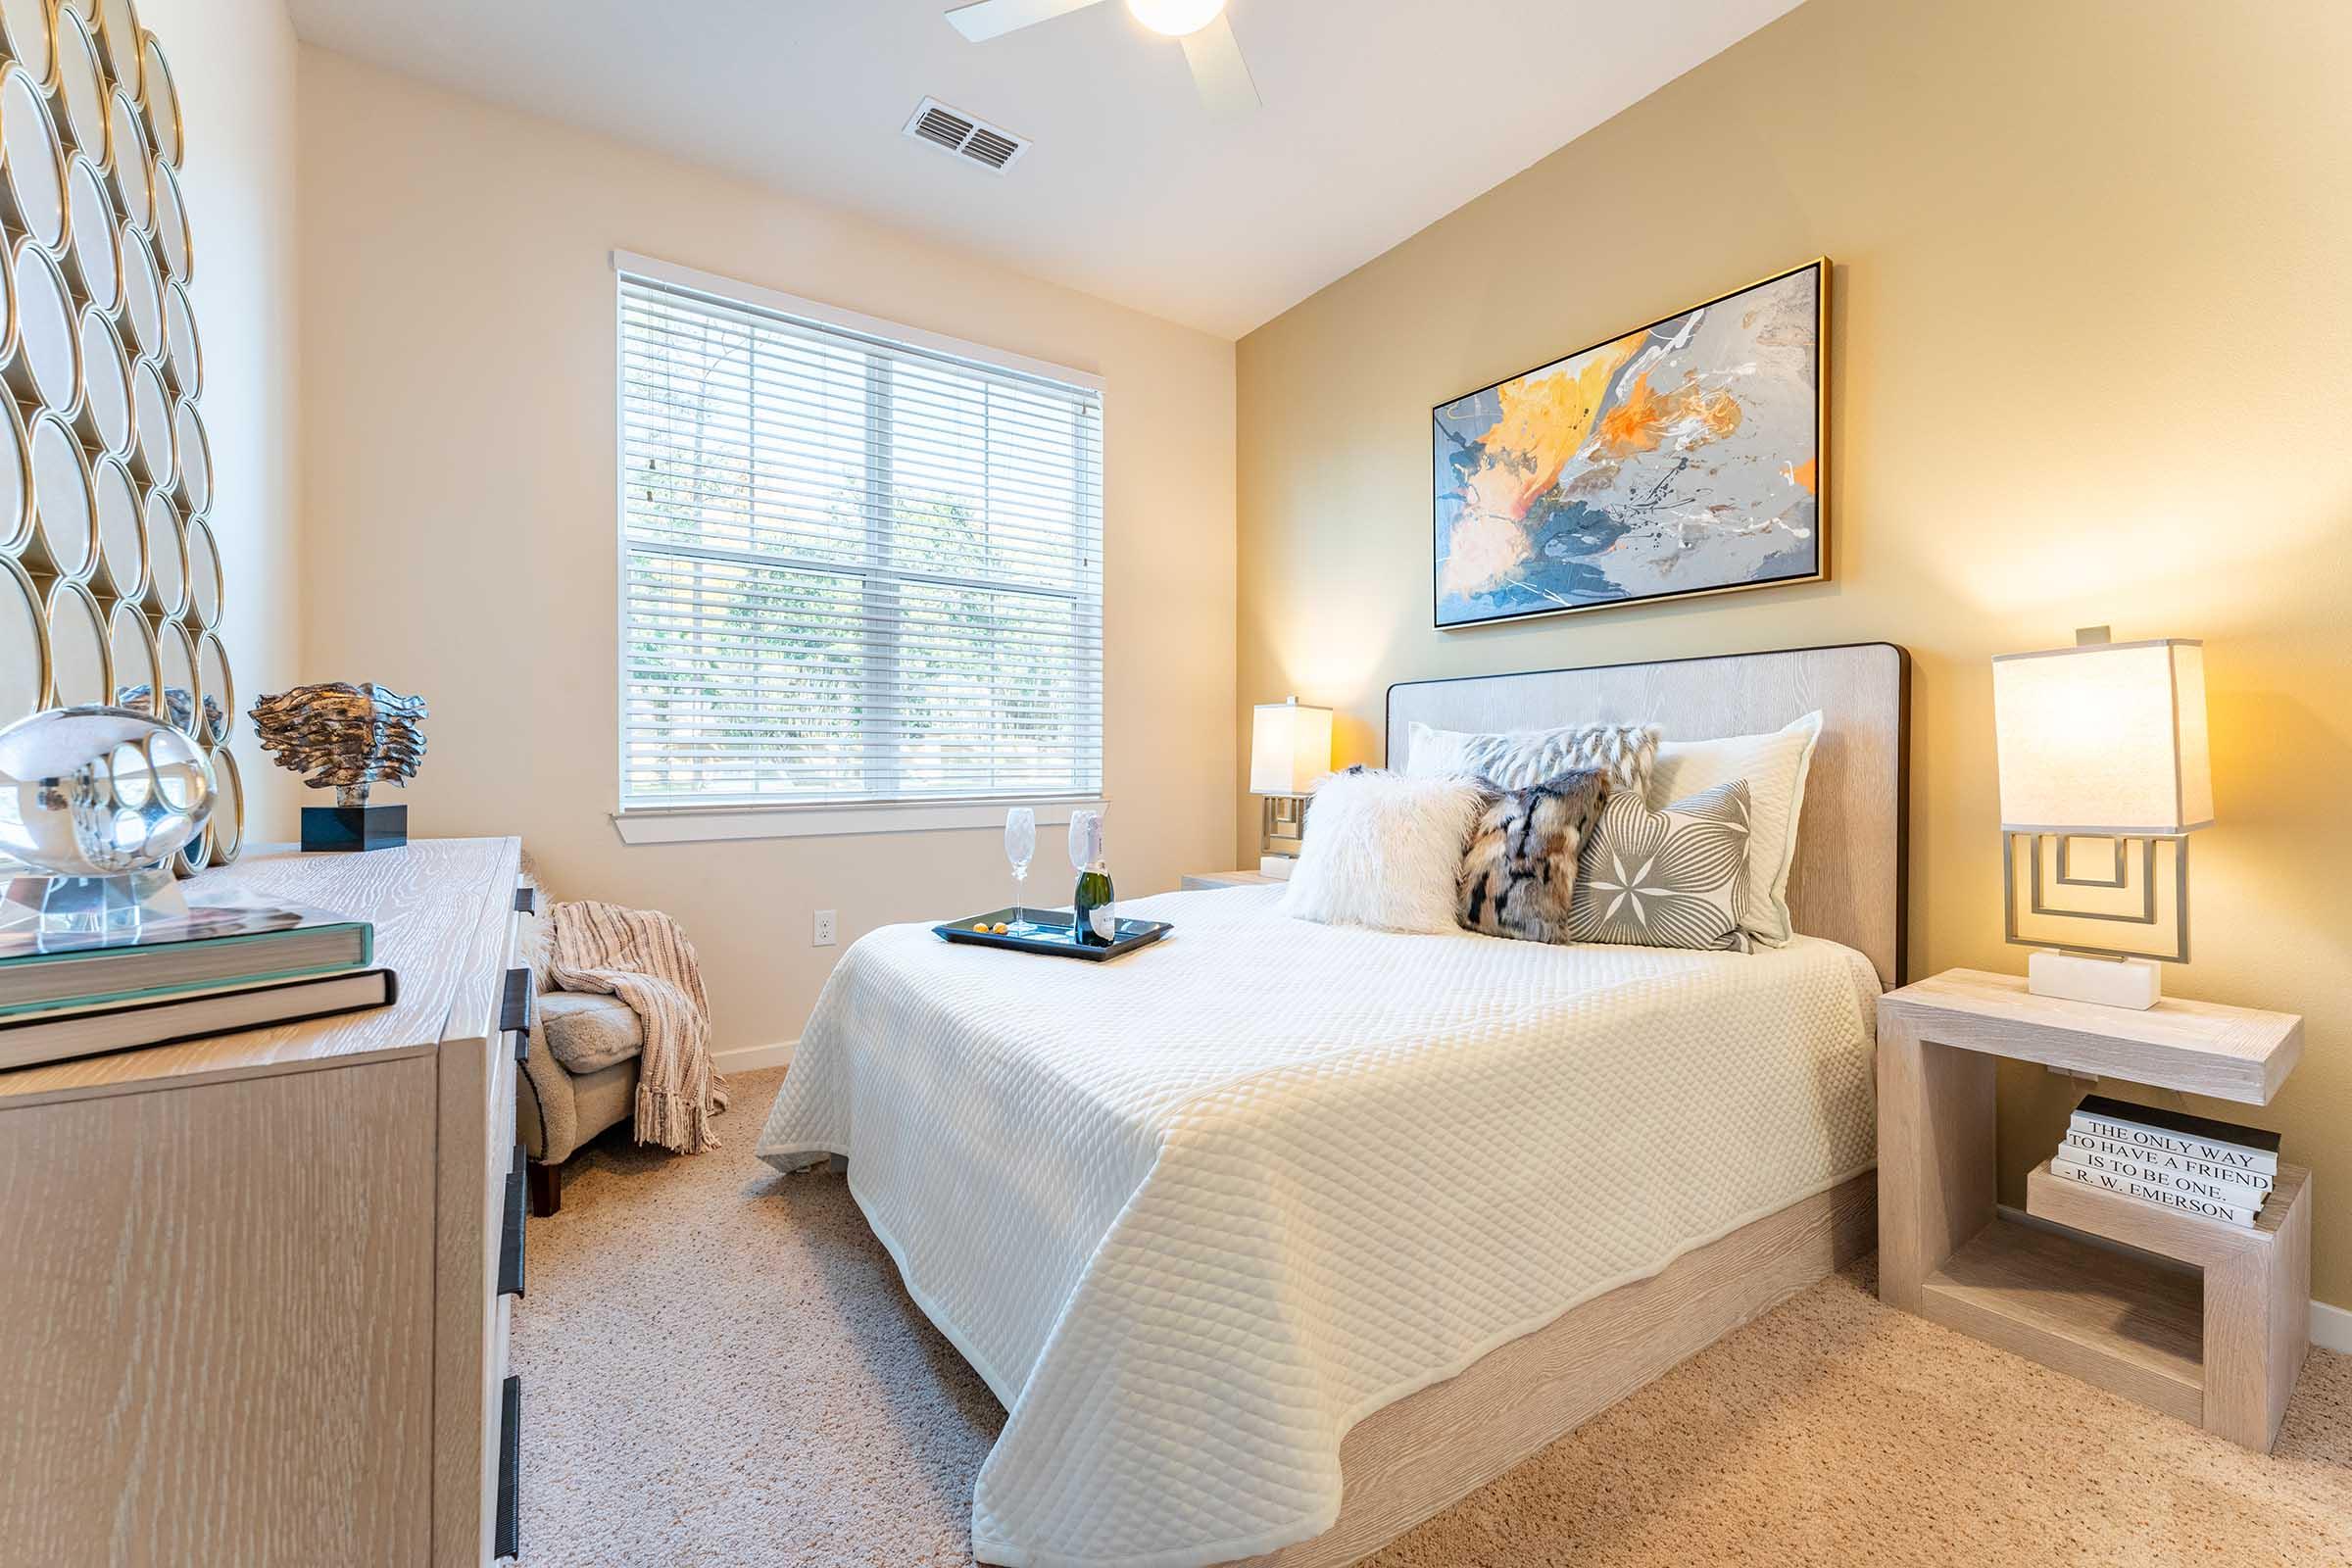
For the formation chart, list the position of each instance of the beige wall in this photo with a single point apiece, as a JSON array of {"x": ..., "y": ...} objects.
[
  {"x": 460, "y": 504},
  {"x": 2091, "y": 362},
  {"x": 234, "y": 62}
]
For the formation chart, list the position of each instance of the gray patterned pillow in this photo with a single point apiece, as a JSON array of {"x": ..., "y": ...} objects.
[
  {"x": 1671, "y": 878},
  {"x": 1521, "y": 868},
  {"x": 1521, "y": 759}
]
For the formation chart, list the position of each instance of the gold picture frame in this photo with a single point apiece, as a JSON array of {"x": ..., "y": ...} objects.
[{"x": 1666, "y": 463}]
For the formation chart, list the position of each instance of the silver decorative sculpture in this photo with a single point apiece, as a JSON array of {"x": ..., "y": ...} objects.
[
  {"x": 99, "y": 799},
  {"x": 346, "y": 737}
]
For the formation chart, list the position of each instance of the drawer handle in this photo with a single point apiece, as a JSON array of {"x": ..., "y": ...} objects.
[
  {"x": 514, "y": 1007},
  {"x": 526, "y": 901},
  {"x": 518, "y": 1012},
  {"x": 510, "y": 1236},
  {"x": 509, "y": 1468}
]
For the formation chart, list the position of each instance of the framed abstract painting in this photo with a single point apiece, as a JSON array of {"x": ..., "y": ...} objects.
[{"x": 1687, "y": 457}]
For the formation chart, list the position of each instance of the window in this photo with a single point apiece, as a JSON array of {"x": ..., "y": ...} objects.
[{"x": 860, "y": 565}]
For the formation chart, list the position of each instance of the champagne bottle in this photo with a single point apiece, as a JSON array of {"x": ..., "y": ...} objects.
[
  {"x": 1094, "y": 917},
  {"x": 1098, "y": 915}
]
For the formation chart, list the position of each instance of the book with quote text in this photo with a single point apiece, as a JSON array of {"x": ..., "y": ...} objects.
[
  {"x": 2253, "y": 1185},
  {"x": 2123, "y": 1187},
  {"x": 2176, "y": 1132},
  {"x": 2235, "y": 1199}
]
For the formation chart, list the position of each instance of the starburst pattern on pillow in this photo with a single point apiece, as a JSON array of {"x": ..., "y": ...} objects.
[{"x": 1670, "y": 878}]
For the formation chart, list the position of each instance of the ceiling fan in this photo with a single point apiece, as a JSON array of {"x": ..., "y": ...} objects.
[{"x": 1209, "y": 47}]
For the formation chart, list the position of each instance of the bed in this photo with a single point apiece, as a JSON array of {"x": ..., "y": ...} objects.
[{"x": 1277, "y": 1238}]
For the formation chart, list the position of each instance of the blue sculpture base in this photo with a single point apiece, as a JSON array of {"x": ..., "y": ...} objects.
[{"x": 341, "y": 829}]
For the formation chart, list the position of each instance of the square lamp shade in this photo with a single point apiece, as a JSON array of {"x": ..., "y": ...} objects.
[
  {"x": 1290, "y": 748},
  {"x": 2103, "y": 740}
]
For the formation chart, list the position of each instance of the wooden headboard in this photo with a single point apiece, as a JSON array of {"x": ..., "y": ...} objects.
[{"x": 1849, "y": 882}]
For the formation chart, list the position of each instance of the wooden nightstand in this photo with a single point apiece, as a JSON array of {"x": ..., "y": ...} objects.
[
  {"x": 2203, "y": 1321},
  {"x": 1195, "y": 881}
]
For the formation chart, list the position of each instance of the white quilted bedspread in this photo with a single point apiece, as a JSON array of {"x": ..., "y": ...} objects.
[{"x": 1196, "y": 1212}]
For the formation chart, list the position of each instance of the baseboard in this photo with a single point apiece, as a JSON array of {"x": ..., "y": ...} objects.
[
  {"x": 2330, "y": 1326},
  {"x": 752, "y": 1059}
]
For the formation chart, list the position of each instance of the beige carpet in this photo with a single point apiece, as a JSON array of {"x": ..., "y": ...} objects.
[{"x": 719, "y": 1367}]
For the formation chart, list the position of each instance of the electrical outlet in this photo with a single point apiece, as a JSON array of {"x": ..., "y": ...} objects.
[{"x": 822, "y": 935}]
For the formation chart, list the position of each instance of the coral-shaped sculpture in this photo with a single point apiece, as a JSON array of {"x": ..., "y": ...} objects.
[{"x": 346, "y": 737}]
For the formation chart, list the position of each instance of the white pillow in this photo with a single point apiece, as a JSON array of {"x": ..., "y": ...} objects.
[
  {"x": 1522, "y": 758},
  {"x": 1383, "y": 851},
  {"x": 1775, "y": 766}
]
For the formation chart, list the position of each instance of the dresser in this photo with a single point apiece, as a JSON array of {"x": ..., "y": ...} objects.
[{"x": 255, "y": 1301}]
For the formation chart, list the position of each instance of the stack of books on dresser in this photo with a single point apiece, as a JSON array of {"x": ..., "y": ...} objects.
[
  {"x": 2214, "y": 1169},
  {"x": 225, "y": 965}
]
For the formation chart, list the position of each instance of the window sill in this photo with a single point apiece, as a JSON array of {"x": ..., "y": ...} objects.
[{"x": 694, "y": 825}]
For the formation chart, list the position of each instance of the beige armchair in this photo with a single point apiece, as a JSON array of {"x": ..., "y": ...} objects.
[
  {"x": 579, "y": 1079},
  {"x": 581, "y": 1074}
]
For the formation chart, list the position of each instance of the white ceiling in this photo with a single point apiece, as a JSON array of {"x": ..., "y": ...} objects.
[{"x": 1381, "y": 116}]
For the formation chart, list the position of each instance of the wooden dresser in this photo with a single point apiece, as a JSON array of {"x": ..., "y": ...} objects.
[{"x": 250, "y": 1306}]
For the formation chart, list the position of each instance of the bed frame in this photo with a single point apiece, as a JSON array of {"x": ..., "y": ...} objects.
[{"x": 1420, "y": 1456}]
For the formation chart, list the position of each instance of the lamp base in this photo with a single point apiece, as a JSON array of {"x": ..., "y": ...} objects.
[
  {"x": 1277, "y": 867},
  {"x": 2133, "y": 983}
]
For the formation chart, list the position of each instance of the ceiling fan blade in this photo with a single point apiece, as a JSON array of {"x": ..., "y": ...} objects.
[
  {"x": 983, "y": 19},
  {"x": 1219, "y": 70}
]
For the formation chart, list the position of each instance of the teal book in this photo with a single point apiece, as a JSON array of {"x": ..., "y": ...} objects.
[{"x": 215, "y": 944}]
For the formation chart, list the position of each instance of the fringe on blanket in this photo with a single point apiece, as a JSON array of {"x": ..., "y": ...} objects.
[{"x": 641, "y": 956}]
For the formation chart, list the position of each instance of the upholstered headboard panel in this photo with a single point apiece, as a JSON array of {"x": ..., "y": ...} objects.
[{"x": 1849, "y": 882}]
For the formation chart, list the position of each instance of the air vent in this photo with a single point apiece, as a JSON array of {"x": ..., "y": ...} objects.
[{"x": 952, "y": 131}]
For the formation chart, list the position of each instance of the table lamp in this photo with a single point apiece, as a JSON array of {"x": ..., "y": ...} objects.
[
  {"x": 2104, "y": 775},
  {"x": 1290, "y": 749}
]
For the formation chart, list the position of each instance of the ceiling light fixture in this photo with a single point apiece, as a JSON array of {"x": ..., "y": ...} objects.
[{"x": 1176, "y": 18}]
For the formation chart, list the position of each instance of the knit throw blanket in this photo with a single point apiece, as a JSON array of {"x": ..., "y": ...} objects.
[{"x": 641, "y": 956}]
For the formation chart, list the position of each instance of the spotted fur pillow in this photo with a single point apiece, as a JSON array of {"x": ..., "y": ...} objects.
[
  {"x": 1671, "y": 878},
  {"x": 1521, "y": 869}
]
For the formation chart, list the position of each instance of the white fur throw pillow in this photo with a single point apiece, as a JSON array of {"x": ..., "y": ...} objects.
[
  {"x": 1383, "y": 851},
  {"x": 1522, "y": 758}
]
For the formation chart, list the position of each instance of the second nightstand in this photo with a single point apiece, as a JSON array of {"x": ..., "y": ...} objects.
[
  {"x": 2203, "y": 1321},
  {"x": 1195, "y": 881}
]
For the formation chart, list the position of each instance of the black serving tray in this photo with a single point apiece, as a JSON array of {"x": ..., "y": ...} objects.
[{"x": 1055, "y": 936}]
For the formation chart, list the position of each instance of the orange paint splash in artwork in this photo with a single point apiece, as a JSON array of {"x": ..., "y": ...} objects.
[
  {"x": 1634, "y": 425},
  {"x": 1645, "y": 417},
  {"x": 1801, "y": 474},
  {"x": 1542, "y": 424}
]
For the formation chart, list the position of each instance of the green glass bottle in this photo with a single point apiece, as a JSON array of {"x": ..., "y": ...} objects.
[
  {"x": 1093, "y": 915},
  {"x": 1098, "y": 913}
]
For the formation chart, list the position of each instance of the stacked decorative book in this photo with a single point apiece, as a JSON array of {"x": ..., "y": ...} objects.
[
  {"x": 223, "y": 967},
  {"x": 2215, "y": 1170}
]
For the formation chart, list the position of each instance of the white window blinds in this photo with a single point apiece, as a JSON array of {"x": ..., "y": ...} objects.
[{"x": 856, "y": 569}]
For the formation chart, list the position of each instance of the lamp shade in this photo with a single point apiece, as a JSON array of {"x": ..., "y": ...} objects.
[
  {"x": 2103, "y": 739},
  {"x": 1290, "y": 748}
]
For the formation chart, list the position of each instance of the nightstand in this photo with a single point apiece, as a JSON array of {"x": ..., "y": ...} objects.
[
  {"x": 2203, "y": 1321},
  {"x": 1195, "y": 881}
]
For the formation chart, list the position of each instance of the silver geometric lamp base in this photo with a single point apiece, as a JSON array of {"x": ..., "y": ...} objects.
[{"x": 2102, "y": 927}]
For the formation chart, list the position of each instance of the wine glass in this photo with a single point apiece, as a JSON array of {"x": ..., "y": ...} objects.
[
  {"x": 1021, "y": 848},
  {"x": 1086, "y": 839}
]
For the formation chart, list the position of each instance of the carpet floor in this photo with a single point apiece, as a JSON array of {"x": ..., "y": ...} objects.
[{"x": 720, "y": 1367}]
